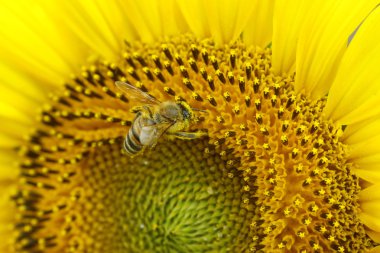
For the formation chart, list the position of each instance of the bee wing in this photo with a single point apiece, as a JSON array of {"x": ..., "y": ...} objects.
[
  {"x": 136, "y": 94},
  {"x": 149, "y": 135}
]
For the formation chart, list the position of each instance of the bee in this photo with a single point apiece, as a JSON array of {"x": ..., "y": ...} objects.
[{"x": 155, "y": 119}]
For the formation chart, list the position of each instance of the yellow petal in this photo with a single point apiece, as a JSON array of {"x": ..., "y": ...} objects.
[
  {"x": 8, "y": 179},
  {"x": 363, "y": 139},
  {"x": 368, "y": 173},
  {"x": 46, "y": 58},
  {"x": 361, "y": 132},
  {"x": 20, "y": 95},
  {"x": 13, "y": 81},
  {"x": 227, "y": 18},
  {"x": 8, "y": 168},
  {"x": 173, "y": 21},
  {"x": 152, "y": 19},
  {"x": 368, "y": 168},
  {"x": 354, "y": 96},
  {"x": 19, "y": 100},
  {"x": 6, "y": 216},
  {"x": 259, "y": 28},
  {"x": 9, "y": 112},
  {"x": 196, "y": 17},
  {"x": 370, "y": 220},
  {"x": 222, "y": 20},
  {"x": 367, "y": 158},
  {"x": 11, "y": 132},
  {"x": 368, "y": 148},
  {"x": 323, "y": 40},
  {"x": 90, "y": 24},
  {"x": 286, "y": 28},
  {"x": 369, "y": 199},
  {"x": 146, "y": 20},
  {"x": 369, "y": 194}
]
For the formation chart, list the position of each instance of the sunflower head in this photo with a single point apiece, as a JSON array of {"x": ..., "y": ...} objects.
[{"x": 260, "y": 159}]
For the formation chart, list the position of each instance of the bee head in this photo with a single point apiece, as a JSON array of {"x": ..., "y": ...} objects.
[{"x": 187, "y": 112}]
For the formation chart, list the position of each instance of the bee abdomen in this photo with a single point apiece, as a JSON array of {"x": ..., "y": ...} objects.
[
  {"x": 132, "y": 142},
  {"x": 131, "y": 145}
]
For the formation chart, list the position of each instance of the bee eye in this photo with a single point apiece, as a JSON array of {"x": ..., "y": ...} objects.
[{"x": 185, "y": 114}]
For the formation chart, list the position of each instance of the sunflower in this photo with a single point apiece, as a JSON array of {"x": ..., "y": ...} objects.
[{"x": 287, "y": 98}]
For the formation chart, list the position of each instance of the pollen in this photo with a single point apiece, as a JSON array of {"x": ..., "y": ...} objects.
[{"x": 271, "y": 175}]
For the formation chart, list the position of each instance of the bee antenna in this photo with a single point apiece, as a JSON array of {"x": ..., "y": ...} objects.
[{"x": 199, "y": 110}]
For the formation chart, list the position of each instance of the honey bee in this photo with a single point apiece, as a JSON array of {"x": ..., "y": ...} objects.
[{"x": 155, "y": 119}]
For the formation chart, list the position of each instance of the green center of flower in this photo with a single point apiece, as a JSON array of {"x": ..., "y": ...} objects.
[
  {"x": 272, "y": 174},
  {"x": 175, "y": 198}
]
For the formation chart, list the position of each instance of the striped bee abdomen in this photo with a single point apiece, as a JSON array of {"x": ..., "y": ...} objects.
[{"x": 132, "y": 142}]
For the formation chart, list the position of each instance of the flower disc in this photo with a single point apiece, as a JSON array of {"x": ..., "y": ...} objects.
[{"x": 272, "y": 175}]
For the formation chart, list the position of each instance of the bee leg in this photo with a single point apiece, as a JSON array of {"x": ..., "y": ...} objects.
[
  {"x": 147, "y": 108},
  {"x": 136, "y": 109},
  {"x": 188, "y": 135},
  {"x": 199, "y": 110}
]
